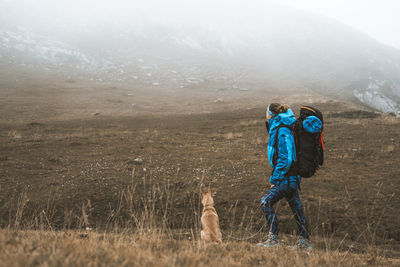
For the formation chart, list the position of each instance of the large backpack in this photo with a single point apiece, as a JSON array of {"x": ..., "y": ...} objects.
[
  {"x": 307, "y": 131},
  {"x": 310, "y": 143}
]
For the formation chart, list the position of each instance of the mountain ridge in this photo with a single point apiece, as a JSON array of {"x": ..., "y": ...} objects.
[{"x": 276, "y": 44}]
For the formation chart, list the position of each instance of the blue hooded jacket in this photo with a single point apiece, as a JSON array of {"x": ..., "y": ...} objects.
[{"x": 286, "y": 148}]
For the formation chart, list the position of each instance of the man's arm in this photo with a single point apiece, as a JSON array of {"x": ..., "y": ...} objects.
[{"x": 284, "y": 161}]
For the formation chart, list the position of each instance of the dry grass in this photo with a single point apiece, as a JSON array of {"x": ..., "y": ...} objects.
[
  {"x": 74, "y": 175},
  {"x": 153, "y": 248},
  {"x": 14, "y": 135},
  {"x": 248, "y": 123},
  {"x": 230, "y": 135},
  {"x": 146, "y": 239}
]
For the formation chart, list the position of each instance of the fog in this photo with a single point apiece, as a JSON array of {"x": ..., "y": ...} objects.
[
  {"x": 176, "y": 43},
  {"x": 377, "y": 18}
]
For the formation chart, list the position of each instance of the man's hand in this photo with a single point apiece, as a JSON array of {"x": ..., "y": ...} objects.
[{"x": 272, "y": 185}]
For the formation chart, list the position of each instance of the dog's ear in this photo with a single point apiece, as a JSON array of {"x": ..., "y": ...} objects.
[{"x": 203, "y": 189}]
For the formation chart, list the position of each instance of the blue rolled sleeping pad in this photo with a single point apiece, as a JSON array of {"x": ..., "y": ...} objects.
[{"x": 312, "y": 124}]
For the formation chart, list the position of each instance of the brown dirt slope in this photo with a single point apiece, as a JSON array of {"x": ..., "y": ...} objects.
[{"x": 81, "y": 171}]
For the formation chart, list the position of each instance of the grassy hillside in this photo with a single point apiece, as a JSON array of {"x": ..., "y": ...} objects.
[
  {"x": 128, "y": 173},
  {"x": 32, "y": 248}
]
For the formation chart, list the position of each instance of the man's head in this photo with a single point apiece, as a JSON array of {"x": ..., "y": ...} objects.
[{"x": 275, "y": 108}]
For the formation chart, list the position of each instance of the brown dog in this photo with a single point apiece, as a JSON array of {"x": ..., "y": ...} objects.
[{"x": 209, "y": 219}]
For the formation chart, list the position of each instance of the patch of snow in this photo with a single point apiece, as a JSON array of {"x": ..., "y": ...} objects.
[
  {"x": 190, "y": 42},
  {"x": 37, "y": 47},
  {"x": 377, "y": 100},
  {"x": 194, "y": 80}
]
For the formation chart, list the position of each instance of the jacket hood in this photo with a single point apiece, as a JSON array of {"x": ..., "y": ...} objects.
[{"x": 286, "y": 118}]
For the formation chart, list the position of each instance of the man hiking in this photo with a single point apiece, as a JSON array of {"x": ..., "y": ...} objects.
[{"x": 284, "y": 181}]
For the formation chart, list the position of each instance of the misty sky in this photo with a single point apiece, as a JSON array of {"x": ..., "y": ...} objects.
[{"x": 377, "y": 18}]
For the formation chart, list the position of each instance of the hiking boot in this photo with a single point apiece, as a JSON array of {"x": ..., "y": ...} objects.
[
  {"x": 271, "y": 242},
  {"x": 303, "y": 244}
]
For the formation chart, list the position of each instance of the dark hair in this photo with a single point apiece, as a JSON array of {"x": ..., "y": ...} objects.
[{"x": 277, "y": 108}]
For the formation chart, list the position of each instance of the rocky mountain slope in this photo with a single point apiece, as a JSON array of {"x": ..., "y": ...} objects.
[{"x": 165, "y": 50}]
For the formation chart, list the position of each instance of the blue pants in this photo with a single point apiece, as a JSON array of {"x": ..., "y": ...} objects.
[{"x": 291, "y": 193}]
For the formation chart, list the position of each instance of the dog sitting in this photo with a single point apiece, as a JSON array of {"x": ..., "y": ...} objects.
[{"x": 209, "y": 219}]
